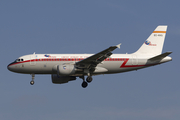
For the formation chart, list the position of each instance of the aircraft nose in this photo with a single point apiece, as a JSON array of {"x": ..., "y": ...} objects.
[{"x": 10, "y": 66}]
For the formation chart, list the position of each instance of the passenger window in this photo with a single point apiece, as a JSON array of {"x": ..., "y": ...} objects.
[{"x": 22, "y": 60}]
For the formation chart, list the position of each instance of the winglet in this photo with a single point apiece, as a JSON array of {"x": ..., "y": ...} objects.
[{"x": 118, "y": 46}]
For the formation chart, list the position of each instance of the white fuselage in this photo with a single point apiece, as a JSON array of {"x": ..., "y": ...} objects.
[{"x": 47, "y": 63}]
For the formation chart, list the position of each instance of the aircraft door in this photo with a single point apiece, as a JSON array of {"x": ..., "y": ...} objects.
[
  {"x": 33, "y": 59},
  {"x": 134, "y": 60}
]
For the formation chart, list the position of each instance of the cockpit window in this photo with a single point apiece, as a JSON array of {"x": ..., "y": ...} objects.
[{"x": 19, "y": 60}]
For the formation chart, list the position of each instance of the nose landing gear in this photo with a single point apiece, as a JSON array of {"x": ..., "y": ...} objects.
[{"x": 32, "y": 81}]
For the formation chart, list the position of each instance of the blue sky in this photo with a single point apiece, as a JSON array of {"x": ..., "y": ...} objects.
[{"x": 81, "y": 26}]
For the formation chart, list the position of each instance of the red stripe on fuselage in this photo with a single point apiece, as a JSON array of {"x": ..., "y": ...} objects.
[
  {"x": 125, "y": 66},
  {"x": 128, "y": 66},
  {"x": 63, "y": 59},
  {"x": 125, "y": 60}
]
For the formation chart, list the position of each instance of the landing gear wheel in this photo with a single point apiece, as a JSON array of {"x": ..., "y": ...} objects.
[
  {"x": 84, "y": 84},
  {"x": 32, "y": 82},
  {"x": 89, "y": 79}
]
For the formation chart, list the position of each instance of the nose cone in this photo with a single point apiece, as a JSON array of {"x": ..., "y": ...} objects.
[{"x": 10, "y": 67}]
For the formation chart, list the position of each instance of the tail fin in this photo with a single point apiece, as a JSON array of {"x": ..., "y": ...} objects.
[{"x": 154, "y": 44}]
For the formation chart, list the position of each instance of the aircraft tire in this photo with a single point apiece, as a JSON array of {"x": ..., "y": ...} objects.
[
  {"x": 89, "y": 79},
  {"x": 84, "y": 84},
  {"x": 32, "y": 82}
]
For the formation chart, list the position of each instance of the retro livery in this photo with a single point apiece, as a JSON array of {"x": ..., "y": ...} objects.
[{"x": 67, "y": 67}]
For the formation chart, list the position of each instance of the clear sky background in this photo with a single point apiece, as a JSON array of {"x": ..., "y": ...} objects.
[{"x": 81, "y": 26}]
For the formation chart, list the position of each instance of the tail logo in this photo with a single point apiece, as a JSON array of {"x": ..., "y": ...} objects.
[{"x": 147, "y": 42}]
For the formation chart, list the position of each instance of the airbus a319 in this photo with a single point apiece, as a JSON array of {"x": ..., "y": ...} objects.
[{"x": 67, "y": 67}]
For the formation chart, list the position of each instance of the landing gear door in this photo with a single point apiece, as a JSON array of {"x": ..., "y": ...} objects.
[{"x": 33, "y": 59}]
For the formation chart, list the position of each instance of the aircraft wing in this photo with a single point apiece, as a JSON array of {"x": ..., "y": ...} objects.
[{"x": 95, "y": 59}]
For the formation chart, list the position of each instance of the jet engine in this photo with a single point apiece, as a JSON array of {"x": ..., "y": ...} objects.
[
  {"x": 65, "y": 69},
  {"x": 56, "y": 79}
]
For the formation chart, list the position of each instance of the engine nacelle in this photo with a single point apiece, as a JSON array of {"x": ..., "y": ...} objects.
[
  {"x": 65, "y": 69},
  {"x": 56, "y": 79}
]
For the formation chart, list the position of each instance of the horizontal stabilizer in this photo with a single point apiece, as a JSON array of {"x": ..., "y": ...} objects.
[{"x": 160, "y": 57}]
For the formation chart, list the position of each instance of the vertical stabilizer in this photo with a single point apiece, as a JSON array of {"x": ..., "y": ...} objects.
[{"x": 154, "y": 44}]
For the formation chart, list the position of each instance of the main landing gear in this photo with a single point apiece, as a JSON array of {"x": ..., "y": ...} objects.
[
  {"x": 85, "y": 83},
  {"x": 89, "y": 79},
  {"x": 32, "y": 81}
]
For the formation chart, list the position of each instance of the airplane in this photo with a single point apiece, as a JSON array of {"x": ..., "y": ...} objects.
[{"x": 67, "y": 67}]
